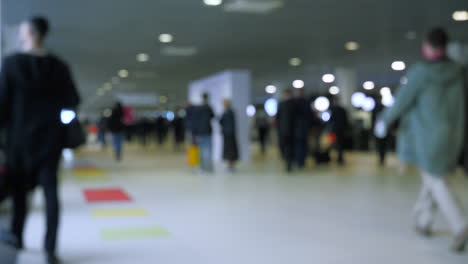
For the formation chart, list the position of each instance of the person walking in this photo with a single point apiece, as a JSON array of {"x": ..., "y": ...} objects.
[
  {"x": 285, "y": 125},
  {"x": 117, "y": 127},
  {"x": 178, "y": 128},
  {"x": 338, "y": 125},
  {"x": 431, "y": 109},
  {"x": 35, "y": 86},
  {"x": 228, "y": 126},
  {"x": 202, "y": 130},
  {"x": 302, "y": 116},
  {"x": 262, "y": 123}
]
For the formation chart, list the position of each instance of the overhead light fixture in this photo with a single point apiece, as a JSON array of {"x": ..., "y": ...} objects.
[
  {"x": 271, "y": 89},
  {"x": 295, "y": 62},
  {"x": 271, "y": 106},
  {"x": 461, "y": 15},
  {"x": 326, "y": 116},
  {"x": 328, "y": 78},
  {"x": 334, "y": 90},
  {"x": 142, "y": 57},
  {"x": 163, "y": 99},
  {"x": 251, "y": 110},
  {"x": 398, "y": 66},
  {"x": 298, "y": 84},
  {"x": 166, "y": 38},
  {"x": 213, "y": 2},
  {"x": 388, "y": 100},
  {"x": 322, "y": 104},
  {"x": 385, "y": 91},
  {"x": 107, "y": 86},
  {"x": 123, "y": 73},
  {"x": 357, "y": 99},
  {"x": 352, "y": 45},
  {"x": 368, "y": 85},
  {"x": 368, "y": 104}
]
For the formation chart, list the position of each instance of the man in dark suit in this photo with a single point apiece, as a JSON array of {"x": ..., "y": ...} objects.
[
  {"x": 35, "y": 87},
  {"x": 338, "y": 124},
  {"x": 285, "y": 126},
  {"x": 302, "y": 119}
]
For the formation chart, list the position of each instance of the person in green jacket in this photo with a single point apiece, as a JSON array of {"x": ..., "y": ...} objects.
[{"x": 431, "y": 110}]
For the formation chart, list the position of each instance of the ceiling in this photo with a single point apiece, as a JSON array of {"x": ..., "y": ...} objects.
[{"x": 99, "y": 38}]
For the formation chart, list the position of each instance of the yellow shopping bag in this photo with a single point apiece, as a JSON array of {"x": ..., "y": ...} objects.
[{"x": 193, "y": 156}]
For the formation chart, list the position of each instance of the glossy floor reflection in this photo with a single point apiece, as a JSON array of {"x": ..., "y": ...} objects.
[{"x": 356, "y": 214}]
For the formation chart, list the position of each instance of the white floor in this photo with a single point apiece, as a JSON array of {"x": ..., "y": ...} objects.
[{"x": 358, "y": 214}]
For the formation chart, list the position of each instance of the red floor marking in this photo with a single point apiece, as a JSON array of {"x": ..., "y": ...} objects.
[{"x": 106, "y": 195}]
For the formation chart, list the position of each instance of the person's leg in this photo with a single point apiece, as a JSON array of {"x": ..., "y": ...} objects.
[
  {"x": 446, "y": 201},
  {"x": 20, "y": 208},
  {"x": 340, "y": 148},
  {"x": 209, "y": 153},
  {"x": 118, "y": 141},
  {"x": 425, "y": 209},
  {"x": 49, "y": 181},
  {"x": 289, "y": 153},
  {"x": 202, "y": 143}
]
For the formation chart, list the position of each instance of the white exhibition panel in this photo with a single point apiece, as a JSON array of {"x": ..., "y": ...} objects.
[{"x": 234, "y": 85}]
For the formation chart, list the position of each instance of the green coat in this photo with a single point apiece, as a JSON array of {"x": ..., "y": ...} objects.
[{"x": 431, "y": 109}]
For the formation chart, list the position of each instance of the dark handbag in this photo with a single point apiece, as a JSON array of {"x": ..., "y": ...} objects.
[{"x": 75, "y": 135}]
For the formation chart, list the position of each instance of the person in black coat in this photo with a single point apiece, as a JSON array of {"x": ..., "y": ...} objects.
[
  {"x": 302, "y": 121},
  {"x": 338, "y": 124},
  {"x": 228, "y": 126},
  {"x": 178, "y": 128},
  {"x": 35, "y": 87},
  {"x": 117, "y": 127},
  {"x": 285, "y": 126}
]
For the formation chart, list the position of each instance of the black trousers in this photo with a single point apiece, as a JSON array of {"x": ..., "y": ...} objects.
[
  {"x": 301, "y": 150},
  {"x": 287, "y": 150},
  {"x": 340, "y": 146},
  {"x": 46, "y": 176},
  {"x": 262, "y": 138}
]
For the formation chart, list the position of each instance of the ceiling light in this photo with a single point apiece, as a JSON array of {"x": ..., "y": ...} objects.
[
  {"x": 163, "y": 99},
  {"x": 357, "y": 99},
  {"x": 107, "y": 86},
  {"x": 328, "y": 78},
  {"x": 388, "y": 100},
  {"x": 385, "y": 91},
  {"x": 123, "y": 73},
  {"x": 368, "y": 85},
  {"x": 295, "y": 62},
  {"x": 251, "y": 110},
  {"x": 352, "y": 45},
  {"x": 213, "y": 2},
  {"x": 369, "y": 104},
  {"x": 322, "y": 104},
  {"x": 142, "y": 57},
  {"x": 271, "y": 106},
  {"x": 461, "y": 15},
  {"x": 298, "y": 84},
  {"x": 271, "y": 89},
  {"x": 326, "y": 116},
  {"x": 334, "y": 90},
  {"x": 398, "y": 66},
  {"x": 166, "y": 38}
]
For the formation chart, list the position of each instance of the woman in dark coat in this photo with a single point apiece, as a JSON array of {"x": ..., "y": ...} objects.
[
  {"x": 117, "y": 127},
  {"x": 35, "y": 87},
  {"x": 228, "y": 125}
]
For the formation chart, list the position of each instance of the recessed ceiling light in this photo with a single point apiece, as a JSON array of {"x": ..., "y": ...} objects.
[
  {"x": 271, "y": 89},
  {"x": 357, "y": 99},
  {"x": 368, "y": 85},
  {"x": 213, "y": 2},
  {"x": 352, "y": 45},
  {"x": 334, "y": 90},
  {"x": 251, "y": 110},
  {"x": 385, "y": 91},
  {"x": 295, "y": 62},
  {"x": 163, "y": 99},
  {"x": 461, "y": 15},
  {"x": 368, "y": 104},
  {"x": 328, "y": 78},
  {"x": 107, "y": 86},
  {"x": 298, "y": 84},
  {"x": 398, "y": 66},
  {"x": 321, "y": 104},
  {"x": 166, "y": 38},
  {"x": 123, "y": 73},
  {"x": 142, "y": 57}
]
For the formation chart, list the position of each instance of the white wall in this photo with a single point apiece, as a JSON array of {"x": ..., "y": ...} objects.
[{"x": 234, "y": 85}]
